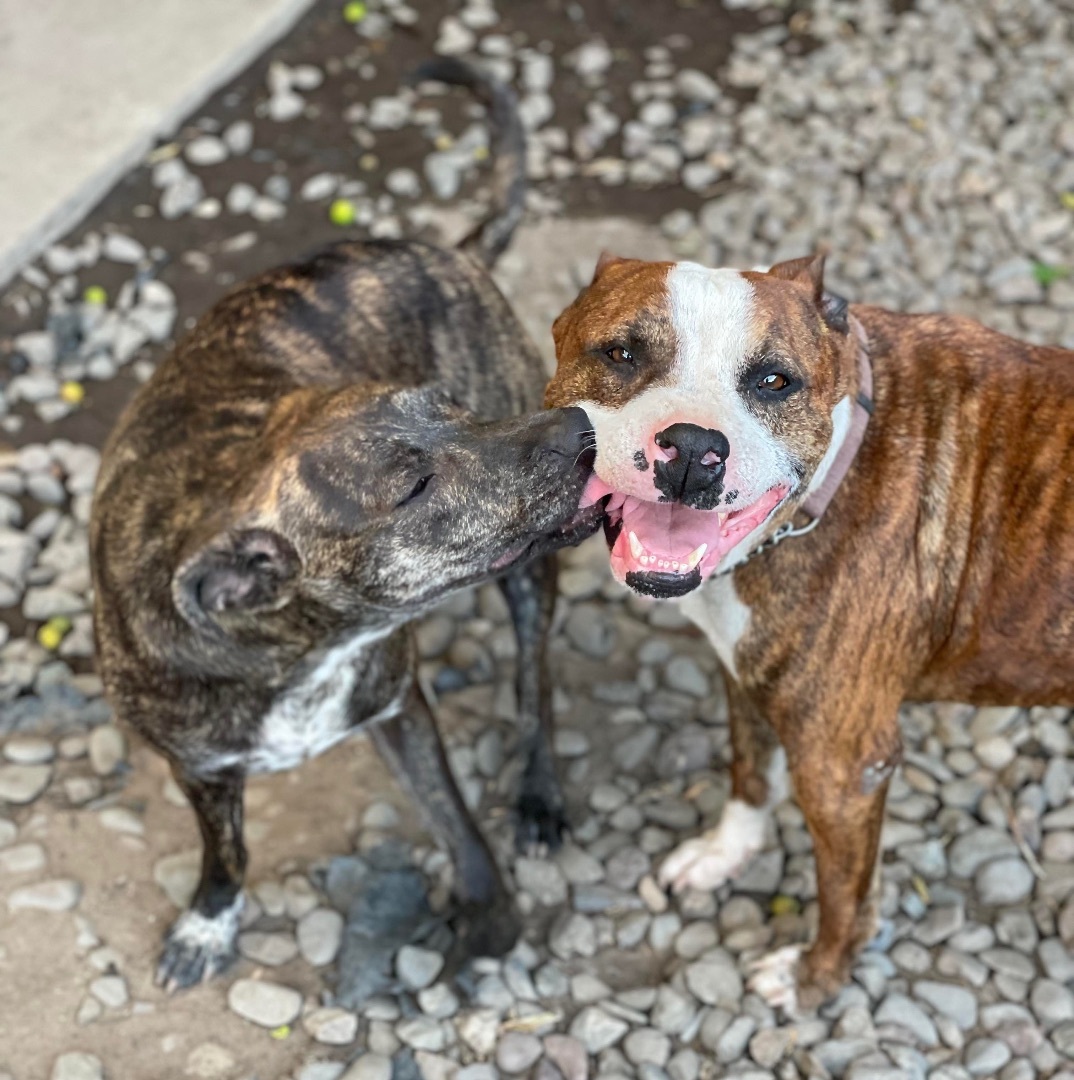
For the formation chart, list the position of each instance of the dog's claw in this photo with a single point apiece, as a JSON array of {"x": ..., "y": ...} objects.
[
  {"x": 774, "y": 977},
  {"x": 183, "y": 964},
  {"x": 541, "y": 826},
  {"x": 197, "y": 948}
]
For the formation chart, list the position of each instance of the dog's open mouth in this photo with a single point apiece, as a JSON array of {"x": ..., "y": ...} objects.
[{"x": 667, "y": 549}]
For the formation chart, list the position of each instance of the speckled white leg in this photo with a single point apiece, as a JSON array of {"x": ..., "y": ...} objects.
[{"x": 774, "y": 978}]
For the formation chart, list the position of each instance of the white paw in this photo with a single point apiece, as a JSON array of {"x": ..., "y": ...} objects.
[
  {"x": 197, "y": 947},
  {"x": 775, "y": 978},
  {"x": 718, "y": 856}
]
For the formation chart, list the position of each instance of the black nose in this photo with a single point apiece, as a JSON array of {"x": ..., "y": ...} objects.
[
  {"x": 572, "y": 436},
  {"x": 694, "y": 474}
]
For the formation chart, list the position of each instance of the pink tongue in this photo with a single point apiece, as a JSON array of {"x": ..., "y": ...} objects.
[
  {"x": 595, "y": 490},
  {"x": 672, "y": 530}
]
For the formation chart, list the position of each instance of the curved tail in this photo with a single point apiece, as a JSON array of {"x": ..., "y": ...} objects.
[{"x": 508, "y": 139}]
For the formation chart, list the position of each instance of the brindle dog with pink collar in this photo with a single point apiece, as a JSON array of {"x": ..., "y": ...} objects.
[{"x": 927, "y": 549}]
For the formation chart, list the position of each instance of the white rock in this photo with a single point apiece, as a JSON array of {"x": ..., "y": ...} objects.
[
  {"x": 28, "y": 750},
  {"x": 122, "y": 248},
  {"x": 239, "y": 137},
  {"x": 417, "y": 967},
  {"x": 1004, "y": 881},
  {"x": 23, "y": 783},
  {"x": 267, "y": 1004},
  {"x": 77, "y": 1066},
  {"x": 286, "y": 105},
  {"x": 332, "y": 1026},
  {"x": 59, "y": 894},
  {"x": 110, "y": 991},
  {"x": 369, "y": 1067},
  {"x": 318, "y": 187},
  {"x": 270, "y": 949},
  {"x": 592, "y": 59},
  {"x": 596, "y": 1030},
  {"x": 516, "y": 1052},
  {"x": 320, "y": 933},
  {"x": 454, "y": 38},
  {"x": 21, "y": 859},
  {"x": 107, "y": 749}
]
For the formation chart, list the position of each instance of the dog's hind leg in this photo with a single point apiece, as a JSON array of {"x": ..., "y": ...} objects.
[
  {"x": 485, "y": 923},
  {"x": 201, "y": 942},
  {"x": 531, "y": 596}
]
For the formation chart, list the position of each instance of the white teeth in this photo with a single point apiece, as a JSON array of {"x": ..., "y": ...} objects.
[
  {"x": 643, "y": 558},
  {"x": 722, "y": 516}
]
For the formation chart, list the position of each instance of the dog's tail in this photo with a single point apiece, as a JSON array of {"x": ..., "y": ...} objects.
[{"x": 492, "y": 236}]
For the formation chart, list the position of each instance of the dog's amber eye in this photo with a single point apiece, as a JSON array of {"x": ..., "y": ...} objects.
[
  {"x": 775, "y": 381},
  {"x": 618, "y": 355}
]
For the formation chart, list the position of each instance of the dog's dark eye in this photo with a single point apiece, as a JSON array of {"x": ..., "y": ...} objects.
[
  {"x": 418, "y": 490},
  {"x": 774, "y": 382},
  {"x": 618, "y": 355}
]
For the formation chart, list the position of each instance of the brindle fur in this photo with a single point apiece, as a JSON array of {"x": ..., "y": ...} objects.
[
  {"x": 942, "y": 570},
  {"x": 252, "y": 514}
]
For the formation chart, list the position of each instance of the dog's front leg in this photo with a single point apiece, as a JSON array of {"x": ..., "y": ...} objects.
[
  {"x": 841, "y": 758},
  {"x": 531, "y": 596},
  {"x": 486, "y": 923},
  {"x": 758, "y": 784},
  {"x": 201, "y": 942}
]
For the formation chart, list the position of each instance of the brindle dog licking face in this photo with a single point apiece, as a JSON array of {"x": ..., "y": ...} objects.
[{"x": 382, "y": 500}]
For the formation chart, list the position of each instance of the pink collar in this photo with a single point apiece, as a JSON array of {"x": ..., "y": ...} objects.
[{"x": 816, "y": 502}]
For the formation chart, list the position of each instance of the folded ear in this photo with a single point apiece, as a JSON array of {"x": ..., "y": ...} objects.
[
  {"x": 809, "y": 271},
  {"x": 247, "y": 570},
  {"x": 604, "y": 260}
]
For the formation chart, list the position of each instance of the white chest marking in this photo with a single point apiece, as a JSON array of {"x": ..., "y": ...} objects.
[
  {"x": 716, "y": 610},
  {"x": 311, "y": 716}
]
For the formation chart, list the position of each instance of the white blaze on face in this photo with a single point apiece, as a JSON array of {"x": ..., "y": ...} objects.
[
  {"x": 713, "y": 312},
  {"x": 714, "y": 318}
]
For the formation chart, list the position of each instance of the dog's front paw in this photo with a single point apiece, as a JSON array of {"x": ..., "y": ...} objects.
[
  {"x": 541, "y": 824},
  {"x": 198, "y": 947},
  {"x": 482, "y": 931},
  {"x": 718, "y": 856}
]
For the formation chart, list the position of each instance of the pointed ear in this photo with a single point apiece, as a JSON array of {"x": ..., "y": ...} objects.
[
  {"x": 604, "y": 260},
  {"x": 248, "y": 570},
  {"x": 808, "y": 271}
]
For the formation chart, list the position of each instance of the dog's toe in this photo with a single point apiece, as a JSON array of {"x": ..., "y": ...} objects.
[
  {"x": 183, "y": 964},
  {"x": 197, "y": 947},
  {"x": 775, "y": 978},
  {"x": 541, "y": 825}
]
